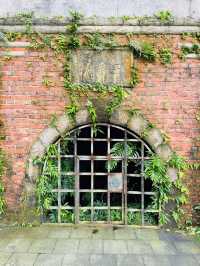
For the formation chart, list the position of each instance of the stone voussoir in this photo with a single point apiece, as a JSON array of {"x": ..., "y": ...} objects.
[
  {"x": 164, "y": 151},
  {"x": 138, "y": 124},
  {"x": 119, "y": 117},
  {"x": 37, "y": 149},
  {"x": 63, "y": 124},
  {"x": 172, "y": 173},
  {"x": 48, "y": 136},
  {"x": 82, "y": 117},
  {"x": 154, "y": 137}
]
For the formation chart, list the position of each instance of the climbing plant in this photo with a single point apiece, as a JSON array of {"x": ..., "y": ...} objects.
[
  {"x": 168, "y": 190},
  {"x": 165, "y": 16},
  {"x": 165, "y": 56},
  {"x": 64, "y": 44},
  {"x": 47, "y": 180},
  {"x": 193, "y": 49}
]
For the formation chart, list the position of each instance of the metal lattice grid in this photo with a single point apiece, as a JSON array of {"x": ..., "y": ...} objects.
[{"x": 88, "y": 192}]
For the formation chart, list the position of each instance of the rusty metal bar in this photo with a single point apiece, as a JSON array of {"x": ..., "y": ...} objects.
[
  {"x": 105, "y": 140},
  {"x": 114, "y": 126},
  {"x": 76, "y": 168},
  {"x": 59, "y": 184},
  {"x": 142, "y": 182},
  {"x": 92, "y": 175},
  {"x": 74, "y": 135},
  {"x": 140, "y": 193},
  {"x": 101, "y": 208},
  {"x": 125, "y": 163},
  {"x": 108, "y": 170},
  {"x": 62, "y": 208}
]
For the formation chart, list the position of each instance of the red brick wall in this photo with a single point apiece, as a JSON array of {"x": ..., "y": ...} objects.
[{"x": 168, "y": 96}]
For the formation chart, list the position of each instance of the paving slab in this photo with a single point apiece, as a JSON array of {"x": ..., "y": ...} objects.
[
  {"x": 147, "y": 234},
  {"x": 187, "y": 247},
  {"x": 115, "y": 247},
  {"x": 139, "y": 247},
  {"x": 42, "y": 246},
  {"x": 59, "y": 233},
  {"x": 183, "y": 260},
  {"x": 76, "y": 260},
  {"x": 79, "y": 233},
  {"x": 34, "y": 232},
  {"x": 197, "y": 257},
  {"x": 173, "y": 236},
  {"x": 21, "y": 259},
  {"x": 163, "y": 247},
  {"x": 90, "y": 246},
  {"x": 63, "y": 246},
  {"x": 124, "y": 233},
  {"x": 103, "y": 260},
  {"x": 3, "y": 244},
  {"x": 130, "y": 260},
  {"x": 18, "y": 245},
  {"x": 103, "y": 233},
  {"x": 49, "y": 260},
  {"x": 163, "y": 260},
  {"x": 4, "y": 256},
  {"x": 99, "y": 246}
]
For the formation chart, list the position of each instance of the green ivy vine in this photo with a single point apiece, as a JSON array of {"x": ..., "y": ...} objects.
[
  {"x": 156, "y": 170},
  {"x": 194, "y": 49},
  {"x": 168, "y": 190},
  {"x": 63, "y": 44}
]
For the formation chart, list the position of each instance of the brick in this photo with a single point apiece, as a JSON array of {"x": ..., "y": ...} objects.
[{"x": 167, "y": 97}]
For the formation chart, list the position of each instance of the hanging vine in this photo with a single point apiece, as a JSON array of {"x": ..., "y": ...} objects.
[
  {"x": 168, "y": 190},
  {"x": 64, "y": 44}
]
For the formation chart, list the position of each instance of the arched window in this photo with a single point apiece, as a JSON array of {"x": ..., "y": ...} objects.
[{"x": 99, "y": 178}]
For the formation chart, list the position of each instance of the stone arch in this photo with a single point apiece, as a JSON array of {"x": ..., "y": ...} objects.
[{"x": 136, "y": 123}]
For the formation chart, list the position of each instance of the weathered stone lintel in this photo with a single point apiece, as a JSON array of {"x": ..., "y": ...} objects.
[{"x": 150, "y": 29}]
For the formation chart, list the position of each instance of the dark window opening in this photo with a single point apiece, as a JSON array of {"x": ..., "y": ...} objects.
[{"x": 100, "y": 178}]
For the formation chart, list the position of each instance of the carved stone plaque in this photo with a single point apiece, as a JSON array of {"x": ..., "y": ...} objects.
[
  {"x": 109, "y": 66},
  {"x": 115, "y": 182}
]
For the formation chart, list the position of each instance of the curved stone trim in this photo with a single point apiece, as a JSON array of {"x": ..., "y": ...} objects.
[
  {"x": 49, "y": 136},
  {"x": 136, "y": 123},
  {"x": 139, "y": 125}
]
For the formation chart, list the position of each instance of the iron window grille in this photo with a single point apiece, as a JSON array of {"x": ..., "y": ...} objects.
[{"x": 89, "y": 192}]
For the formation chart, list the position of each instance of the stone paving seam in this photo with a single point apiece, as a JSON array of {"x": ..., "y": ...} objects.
[
  {"x": 36, "y": 259},
  {"x": 173, "y": 244},
  {"x": 8, "y": 258},
  {"x": 56, "y": 240},
  {"x": 198, "y": 261}
]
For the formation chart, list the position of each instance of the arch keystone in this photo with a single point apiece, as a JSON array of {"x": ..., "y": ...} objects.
[
  {"x": 82, "y": 117},
  {"x": 63, "y": 124}
]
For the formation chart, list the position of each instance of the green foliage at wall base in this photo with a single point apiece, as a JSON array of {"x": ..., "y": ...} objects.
[{"x": 156, "y": 169}]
